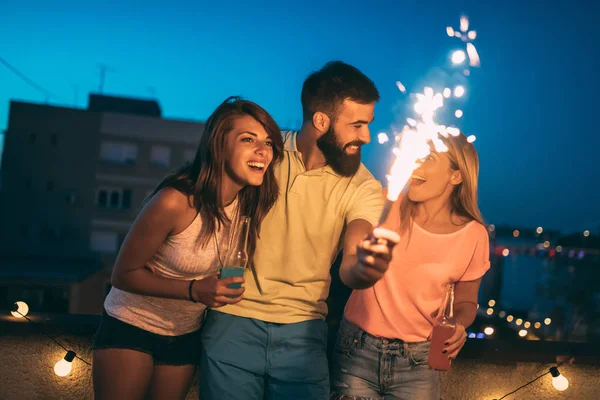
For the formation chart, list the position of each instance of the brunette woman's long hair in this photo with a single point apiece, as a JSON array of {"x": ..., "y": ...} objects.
[{"x": 202, "y": 178}]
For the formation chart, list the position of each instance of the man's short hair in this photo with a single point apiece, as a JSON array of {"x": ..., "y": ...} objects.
[{"x": 326, "y": 89}]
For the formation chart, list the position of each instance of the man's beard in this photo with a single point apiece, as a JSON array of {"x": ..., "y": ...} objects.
[{"x": 336, "y": 157}]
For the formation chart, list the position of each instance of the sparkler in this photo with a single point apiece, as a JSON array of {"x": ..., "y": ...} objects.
[{"x": 414, "y": 142}]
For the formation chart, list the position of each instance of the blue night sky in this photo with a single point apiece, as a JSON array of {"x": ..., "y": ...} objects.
[{"x": 531, "y": 105}]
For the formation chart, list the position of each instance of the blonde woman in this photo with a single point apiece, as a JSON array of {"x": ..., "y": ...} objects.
[{"x": 383, "y": 342}]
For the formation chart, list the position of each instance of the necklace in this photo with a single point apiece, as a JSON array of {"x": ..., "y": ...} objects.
[{"x": 234, "y": 219}]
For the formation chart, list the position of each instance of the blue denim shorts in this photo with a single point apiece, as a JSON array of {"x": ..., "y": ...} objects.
[
  {"x": 369, "y": 367},
  {"x": 166, "y": 350}
]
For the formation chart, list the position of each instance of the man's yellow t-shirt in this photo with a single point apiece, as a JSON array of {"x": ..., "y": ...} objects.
[{"x": 300, "y": 238}]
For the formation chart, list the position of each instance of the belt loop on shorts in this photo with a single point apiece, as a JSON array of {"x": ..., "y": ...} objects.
[{"x": 404, "y": 349}]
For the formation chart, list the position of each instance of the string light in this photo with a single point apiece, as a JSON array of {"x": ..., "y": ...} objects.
[
  {"x": 586, "y": 233},
  {"x": 492, "y": 303},
  {"x": 488, "y": 331},
  {"x": 64, "y": 365},
  {"x": 20, "y": 309},
  {"x": 523, "y": 332},
  {"x": 547, "y": 321},
  {"x": 490, "y": 311},
  {"x": 510, "y": 318},
  {"x": 519, "y": 321},
  {"x": 558, "y": 381}
]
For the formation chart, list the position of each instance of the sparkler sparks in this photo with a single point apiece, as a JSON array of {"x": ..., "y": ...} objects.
[{"x": 414, "y": 142}]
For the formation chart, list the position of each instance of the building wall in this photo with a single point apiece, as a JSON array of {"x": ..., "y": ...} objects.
[
  {"x": 47, "y": 180},
  {"x": 54, "y": 168}
]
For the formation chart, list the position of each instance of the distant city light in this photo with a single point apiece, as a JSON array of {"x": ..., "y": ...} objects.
[
  {"x": 523, "y": 333},
  {"x": 472, "y": 335}
]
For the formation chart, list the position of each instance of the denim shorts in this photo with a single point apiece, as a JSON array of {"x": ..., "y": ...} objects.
[
  {"x": 369, "y": 367},
  {"x": 165, "y": 350}
]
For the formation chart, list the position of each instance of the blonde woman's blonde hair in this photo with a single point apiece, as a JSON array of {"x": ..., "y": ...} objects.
[{"x": 463, "y": 158}]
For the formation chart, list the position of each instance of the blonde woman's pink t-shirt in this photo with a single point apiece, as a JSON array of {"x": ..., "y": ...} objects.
[{"x": 403, "y": 304}]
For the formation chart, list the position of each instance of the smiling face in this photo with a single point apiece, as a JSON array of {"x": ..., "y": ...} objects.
[
  {"x": 435, "y": 178},
  {"x": 249, "y": 151},
  {"x": 346, "y": 135}
]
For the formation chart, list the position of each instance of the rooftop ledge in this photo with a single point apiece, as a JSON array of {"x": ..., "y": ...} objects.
[{"x": 485, "y": 370}]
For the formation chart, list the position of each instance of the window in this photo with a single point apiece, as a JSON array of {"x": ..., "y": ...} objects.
[
  {"x": 115, "y": 198},
  {"x": 120, "y": 153},
  {"x": 103, "y": 242},
  {"x": 160, "y": 156},
  {"x": 188, "y": 156}
]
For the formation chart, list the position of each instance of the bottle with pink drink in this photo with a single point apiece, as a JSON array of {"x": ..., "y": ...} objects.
[{"x": 443, "y": 328}]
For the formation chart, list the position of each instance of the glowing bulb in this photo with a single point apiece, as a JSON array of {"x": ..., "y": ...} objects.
[
  {"x": 539, "y": 230},
  {"x": 516, "y": 233},
  {"x": 488, "y": 331},
  {"x": 537, "y": 325},
  {"x": 519, "y": 321},
  {"x": 458, "y": 113},
  {"x": 527, "y": 324},
  {"x": 447, "y": 93},
  {"x": 490, "y": 311},
  {"x": 472, "y": 335},
  {"x": 558, "y": 249},
  {"x": 64, "y": 365},
  {"x": 459, "y": 91},
  {"x": 502, "y": 314},
  {"x": 510, "y": 318},
  {"x": 523, "y": 333},
  {"x": 458, "y": 57},
  {"x": 471, "y": 138},
  {"x": 546, "y": 244},
  {"x": 547, "y": 321},
  {"x": 586, "y": 233},
  {"x": 20, "y": 310},
  {"x": 505, "y": 252},
  {"x": 383, "y": 138},
  {"x": 492, "y": 303},
  {"x": 558, "y": 381}
]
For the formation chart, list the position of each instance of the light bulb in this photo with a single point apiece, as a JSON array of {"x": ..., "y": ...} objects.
[
  {"x": 558, "y": 381},
  {"x": 64, "y": 365},
  {"x": 20, "y": 310}
]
